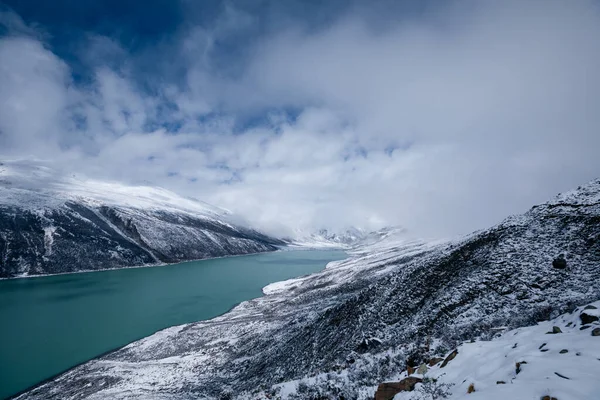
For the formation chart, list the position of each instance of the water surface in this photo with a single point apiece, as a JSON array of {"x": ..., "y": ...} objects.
[{"x": 52, "y": 323}]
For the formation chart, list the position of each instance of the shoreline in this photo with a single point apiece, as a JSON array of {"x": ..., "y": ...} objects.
[
  {"x": 85, "y": 271},
  {"x": 99, "y": 356}
]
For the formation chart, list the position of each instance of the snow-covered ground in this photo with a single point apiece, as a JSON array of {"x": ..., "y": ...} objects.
[{"x": 564, "y": 365}]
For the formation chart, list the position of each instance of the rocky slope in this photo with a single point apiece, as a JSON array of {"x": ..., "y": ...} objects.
[
  {"x": 526, "y": 363},
  {"x": 361, "y": 321},
  {"x": 53, "y": 224}
]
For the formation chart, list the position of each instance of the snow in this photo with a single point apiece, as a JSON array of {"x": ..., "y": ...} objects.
[
  {"x": 36, "y": 185},
  {"x": 484, "y": 363}
]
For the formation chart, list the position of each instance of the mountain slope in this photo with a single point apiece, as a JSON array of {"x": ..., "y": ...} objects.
[
  {"x": 53, "y": 224},
  {"x": 344, "y": 239},
  {"x": 361, "y": 321},
  {"x": 563, "y": 365}
]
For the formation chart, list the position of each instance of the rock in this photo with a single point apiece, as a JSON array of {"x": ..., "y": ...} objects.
[
  {"x": 387, "y": 390},
  {"x": 471, "y": 388},
  {"x": 422, "y": 369},
  {"x": 585, "y": 327},
  {"x": 500, "y": 383},
  {"x": 587, "y": 318},
  {"x": 562, "y": 376},
  {"x": 560, "y": 262},
  {"x": 578, "y": 353},
  {"x": 435, "y": 360},
  {"x": 563, "y": 351},
  {"x": 548, "y": 398},
  {"x": 450, "y": 357},
  {"x": 410, "y": 370},
  {"x": 555, "y": 329},
  {"x": 596, "y": 332},
  {"x": 590, "y": 307}
]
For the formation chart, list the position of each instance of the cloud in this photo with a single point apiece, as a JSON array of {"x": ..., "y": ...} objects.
[{"x": 443, "y": 121}]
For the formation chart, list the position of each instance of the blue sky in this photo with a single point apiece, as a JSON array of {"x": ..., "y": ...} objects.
[{"x": 441, "y": 116}]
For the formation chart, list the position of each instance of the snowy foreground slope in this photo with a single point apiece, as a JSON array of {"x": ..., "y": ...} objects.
[
  {"x": 361, "y": 321},
  {"x": 50, "y": 223}
]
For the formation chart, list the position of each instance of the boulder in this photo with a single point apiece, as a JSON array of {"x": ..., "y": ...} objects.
[
  {"x": 587, "y": 318},
  {"x": 435, "y": 360},
  {"x": 555, "y": 330},
  {"x": 559, "y": 262},
  {"x": 387, "y": 390},
  {"x": 450, "y": 357},
  {"x": 422, "y": 369},
  {"x": 596, "y": 332}
]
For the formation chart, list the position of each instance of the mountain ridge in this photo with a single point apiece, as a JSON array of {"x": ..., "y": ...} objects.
[{"x": 51, "y": 224}]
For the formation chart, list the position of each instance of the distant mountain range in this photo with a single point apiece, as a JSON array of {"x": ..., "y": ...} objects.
[{"x": 344, "y": 239}]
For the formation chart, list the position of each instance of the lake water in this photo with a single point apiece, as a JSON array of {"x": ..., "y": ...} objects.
[{"x": 52, "y": 323}]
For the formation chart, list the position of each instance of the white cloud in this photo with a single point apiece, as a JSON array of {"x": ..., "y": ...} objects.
[{"x": 444, "y": 123}]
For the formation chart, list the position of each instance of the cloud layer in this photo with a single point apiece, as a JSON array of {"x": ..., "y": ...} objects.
[{"x": 442, "y": 121}]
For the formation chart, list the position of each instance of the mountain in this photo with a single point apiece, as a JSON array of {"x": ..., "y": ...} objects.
[
  {"x": 362, "y": 321},
  {"x": 52, "y": 223},
  {"x": 343, "y": 239}
]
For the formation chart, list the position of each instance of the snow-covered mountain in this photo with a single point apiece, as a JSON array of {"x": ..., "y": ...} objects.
[
  {"x": 362, "y": 321},
  {"x": 52, "y": 223},
  {"x": 342, "y": 239}
]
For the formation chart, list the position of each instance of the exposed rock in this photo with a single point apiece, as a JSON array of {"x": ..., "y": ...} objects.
[
  {"x": 596, "y": 332},
  {"x": 471, "y": 388},
  {"x": 387, "y": 390},
  {"x": 555, "y": 330},
  {"x": 449, "y": 358},
  {"x": 500, "y": 383},
  {"x": 563, "y": 351},
  {"x": 561, "y": 376},
  {"x": 435, "y": 360},
  {"x": 559, "y": 262},
  {"x": 548, "y": 398},
  {"x": 422, "y": 370},
  {"x": 587, "y": 318},
  {"x": 590, "y": 307}
]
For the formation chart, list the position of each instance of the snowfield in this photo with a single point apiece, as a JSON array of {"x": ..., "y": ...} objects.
[
  {"x": 565, "y": 365},
  {"x": 393, "y": 304}
]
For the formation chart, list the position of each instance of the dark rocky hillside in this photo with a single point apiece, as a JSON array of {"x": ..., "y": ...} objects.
[{"x": 344, "y": 330}]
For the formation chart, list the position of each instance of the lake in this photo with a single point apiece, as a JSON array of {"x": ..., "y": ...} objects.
[{"x": 52, "y": 323}]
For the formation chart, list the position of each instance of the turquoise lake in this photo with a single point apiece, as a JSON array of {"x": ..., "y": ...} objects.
[{"x": 52, "y": 323}]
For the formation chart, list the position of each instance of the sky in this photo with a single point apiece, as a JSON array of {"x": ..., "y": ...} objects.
[{"x": 439, "y": 116}]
